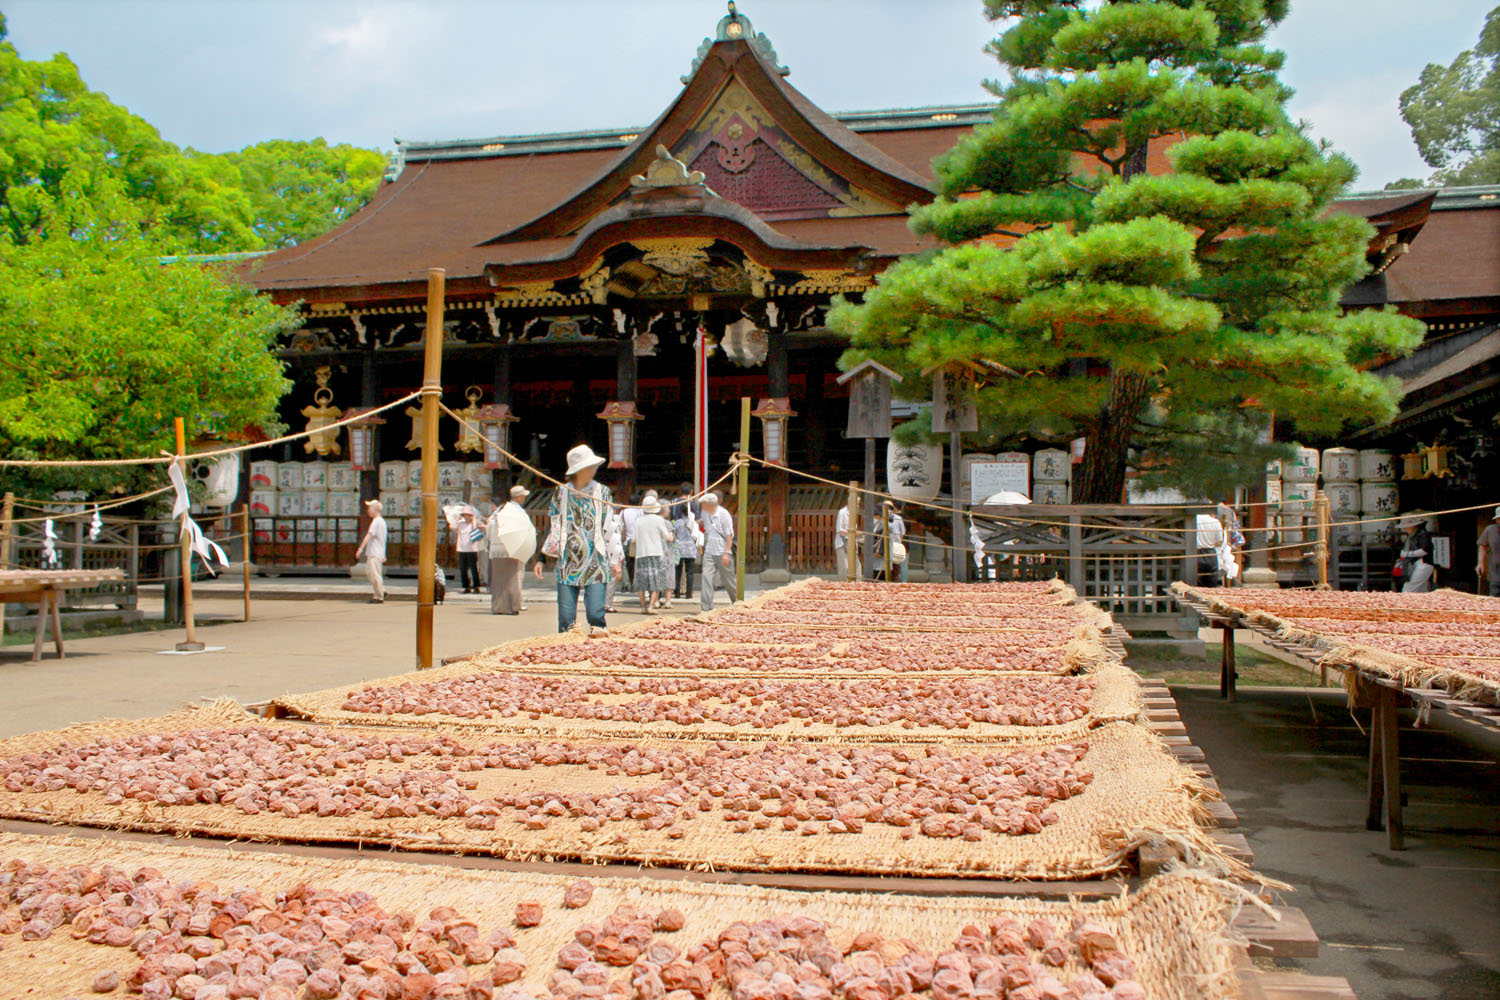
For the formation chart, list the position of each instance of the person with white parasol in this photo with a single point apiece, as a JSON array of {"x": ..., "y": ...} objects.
[
  {"x": 510, "y": 538},
  {"x": 580, "y": 538}
]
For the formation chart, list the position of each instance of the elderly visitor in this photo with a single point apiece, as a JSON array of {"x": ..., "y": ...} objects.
[
  {"x": 718, "y": 543},
  {"x": 579, "y": 539},
  {"x": 510, "y": 538},
  {"x": 372, "y": 548},
  {"x": 653, "y": 538}
]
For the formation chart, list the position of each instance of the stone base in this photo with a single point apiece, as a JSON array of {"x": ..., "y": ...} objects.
[
  {"x": 1255, "y": 578},
  {"x": 918, "y": 575},
  {"x": 772, "y": 578}
]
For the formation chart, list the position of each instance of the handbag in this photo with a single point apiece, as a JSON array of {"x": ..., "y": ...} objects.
[{"x": 898, "y": 553}]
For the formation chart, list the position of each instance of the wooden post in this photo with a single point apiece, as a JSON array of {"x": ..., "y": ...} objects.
[
  {"x": 867, "y": 510},
  {"x": 742, "y": 515},
  {"x": 245, "y": 549},
  {"x": 955, "y": 474},
  {"x": 191, "y": 644},
  {"x": 851, "y": 536},
  {"x": 7, "y": 528},
  {"x": 1320, "y": 511},
  {"x": 885, "y": 532},
  {"x": 432, "y": 390}
]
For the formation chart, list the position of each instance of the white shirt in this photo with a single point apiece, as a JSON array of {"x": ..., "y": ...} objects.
[
  {"x": 841, "y": 528},
  {"x": 718, "y": 532},
  {"x": 374, "y": 543},
  {"x": 630, "y": 516},
  {"x": 652, "y": 533},
  {"x": 464, "y": 540}
]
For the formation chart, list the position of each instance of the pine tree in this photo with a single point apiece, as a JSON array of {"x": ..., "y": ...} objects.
[{"x": 1163, "y": 314}]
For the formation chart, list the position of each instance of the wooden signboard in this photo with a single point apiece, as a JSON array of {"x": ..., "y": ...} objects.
[{"x": 1010, "y": 471}]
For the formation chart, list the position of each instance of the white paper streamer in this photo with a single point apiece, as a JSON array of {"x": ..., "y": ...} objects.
[
  {"x": 49, "y": 546},
  {"x": 205, "y": 547},
  {"x": 96, "y": 525}
]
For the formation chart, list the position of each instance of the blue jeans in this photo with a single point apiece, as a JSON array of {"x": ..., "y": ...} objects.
[{"x": 567, "y": 605}]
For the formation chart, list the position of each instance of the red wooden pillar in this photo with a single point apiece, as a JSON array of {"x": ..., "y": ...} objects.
[{"x": 778, "y": 490}]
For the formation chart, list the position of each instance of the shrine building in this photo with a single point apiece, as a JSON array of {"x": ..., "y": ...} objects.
[{"x": 579, "y": 269}]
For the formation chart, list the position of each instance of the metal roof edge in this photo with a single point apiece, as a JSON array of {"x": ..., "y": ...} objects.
[
  {"x": 882, "y": 119},
  {"x": 1448, "y": 198}
]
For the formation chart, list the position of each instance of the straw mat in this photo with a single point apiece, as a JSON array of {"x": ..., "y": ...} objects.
[
  {"x": 1116, "y": 697},
  {"x": 1175, "y": 927},
  {"x": 1138, "y": 792}
]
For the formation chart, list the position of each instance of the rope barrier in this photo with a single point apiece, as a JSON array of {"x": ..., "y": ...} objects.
[
  {"x": 89, "y": 512},
  {"x": 1012, "y": 519},
  {"x": 167, "y": 457},
  {"x": 736, "y": 460}
]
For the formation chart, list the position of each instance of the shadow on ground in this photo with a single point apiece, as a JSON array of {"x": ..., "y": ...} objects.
[{"x": 1418, "y": 923}]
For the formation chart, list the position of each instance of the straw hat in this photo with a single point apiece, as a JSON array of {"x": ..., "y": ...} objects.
[
  {"x": 580, "y": 458},
  {"x": 651, "y": 506},
  {"x": 519, "y": 492}
]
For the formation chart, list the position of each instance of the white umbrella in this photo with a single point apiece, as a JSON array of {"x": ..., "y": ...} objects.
[
  {"x": 515, "y": 532},
  {"x": 1006, "y": 497}
]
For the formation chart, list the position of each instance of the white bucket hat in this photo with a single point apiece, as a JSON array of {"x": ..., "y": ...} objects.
[
  {"x": 651, "y": 506},
  {"x": 580, "y": 458}
]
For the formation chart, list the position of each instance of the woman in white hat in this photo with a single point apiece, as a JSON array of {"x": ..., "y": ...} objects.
[
  {"x": 579, "y": 540},
  {"x": 1415, "y": 568},
  {"x": 653, "y": 573}
]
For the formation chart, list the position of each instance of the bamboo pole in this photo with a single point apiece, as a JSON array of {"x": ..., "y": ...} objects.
[
  {"x": 955, "y": 475},
  {"x": 1321, "y": 507},
  {"x": 191, "y": 644},
  {"x": 851, "y": 539},
  {"x": 245, "y": 550},
  {"x": 7, "y": 528},
  {"x": 432, "y": 391},
  {"x": 885, "y": 530},
  {"x": 742, "y": 515}
]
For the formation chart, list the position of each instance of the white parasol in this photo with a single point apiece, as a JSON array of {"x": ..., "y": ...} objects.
[{"x": 515, "y": 532}]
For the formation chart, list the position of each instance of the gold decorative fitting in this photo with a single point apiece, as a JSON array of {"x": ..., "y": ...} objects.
[
  {"x": 493, "y": 147},
  {"x": 832, "y": 280},
  {"x": 322, "y": 439},
  {"x": 595, "y": 283},
  {"x": 945, "y": 116},
  {"x": 530, "y": 291},
  {"x": 325, "y": 308},
  {"x": 666, "y": 171},
  {"x": 760, "y": 277},
  {"x": 688, "y": 255},
  {"x": 469, "y": 437}
]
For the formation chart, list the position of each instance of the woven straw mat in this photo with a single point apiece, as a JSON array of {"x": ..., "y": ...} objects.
[{"x": 1138, "y": 794}]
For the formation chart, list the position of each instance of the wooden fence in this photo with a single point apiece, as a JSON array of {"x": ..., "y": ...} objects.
[{"x": 118, "y": 546}]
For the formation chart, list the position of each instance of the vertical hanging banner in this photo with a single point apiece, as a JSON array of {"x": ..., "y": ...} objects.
[{"x": 700, "y": 410}]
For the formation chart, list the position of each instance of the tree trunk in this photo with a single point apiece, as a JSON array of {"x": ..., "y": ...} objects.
[{"x": 1101, "y": 479}]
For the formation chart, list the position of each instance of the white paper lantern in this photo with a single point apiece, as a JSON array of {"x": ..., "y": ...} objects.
[{"x": 913, "y": 472}]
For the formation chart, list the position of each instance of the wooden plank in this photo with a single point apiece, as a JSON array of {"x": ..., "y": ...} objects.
[
  {"x": 816, "y": 882},
  {"x": 1235, "y": 845},
  {"x": 1222, "y": 813},
  {"x": 1291, "y": 936},
  {"x": 1280, "y": 985},
  {"x": 1168, "y": 728}
]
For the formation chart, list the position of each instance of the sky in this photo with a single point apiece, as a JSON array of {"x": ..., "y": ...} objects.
[{"x": 221, "y": 74}]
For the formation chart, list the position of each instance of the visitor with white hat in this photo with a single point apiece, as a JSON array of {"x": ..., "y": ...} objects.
[
  {"x": 372, "y": 548},
  {"x": 718, "y": 542},
  {"x": 1489, "y": 556},
  {"x": 510, "y": 538},
  {"x": 580, "y": 538},
  {"x": 1415, "y": 566},
  {"x": 653, "y": 538}
]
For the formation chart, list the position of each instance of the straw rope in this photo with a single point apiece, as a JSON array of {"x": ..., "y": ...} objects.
[
  {"x": 1137, "y": 786},
  {"x": 1176, "y": 927}
]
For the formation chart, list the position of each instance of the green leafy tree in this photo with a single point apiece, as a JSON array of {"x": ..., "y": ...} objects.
[
  {"x": 104, "y": 346},
  {"x": 298, "y": 190},
  {"x": 1162, "y": 315},
  {"x": 1454, "y": 114}
]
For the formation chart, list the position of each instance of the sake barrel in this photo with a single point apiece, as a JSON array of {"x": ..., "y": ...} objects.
[
  {"x": 343, "y": 503},
  {"x": 1378, "y": 497},
  {"x": 315, "y": 503},
  {"x": 1273, "y": 468},
  {"x": 913, "y": 471},
  {"x": 393, "y": 503},
  {"x": 1377, "y": 464},
  {"x": 261, "y": 529},
  {"x": 476, "y": 473},
  {"x": 1055, "y": 493},
  {"x": 288, "y": 503},
  {"x": 263, "y": 476},
  {"x": 393, "y": 476},
  {"x": 1297, "y": 496},
  {"x": 450, "y": 476},
  {"x": 263, "y": 501},
  {"x": 1050, "y": 465},
  {"x": 341, "y": 476},
  {"x": 1273, "y": 491},
  {"x": 1302, "y": 467},
  {"x": 414, "y": 475},
  {"x": 1340, "y": 465},
  {"x": 1343, "y": 500},
  {"x": 289, "y": 476},
  {"x": 315, "y": 476}
]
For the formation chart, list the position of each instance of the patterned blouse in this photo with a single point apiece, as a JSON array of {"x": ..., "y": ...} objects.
[{"x": 585, "y": 533}]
